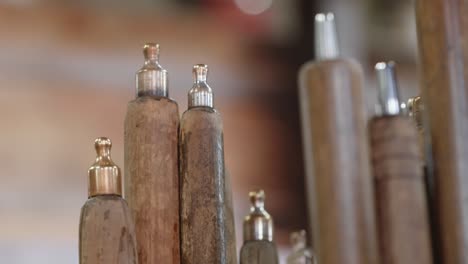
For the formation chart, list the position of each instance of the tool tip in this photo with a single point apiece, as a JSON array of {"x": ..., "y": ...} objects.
[
  {"x": 326, "y": 40},
  {"x": 257, "y": 198},
  {"x": 151, "y": 51},
  {"x": 389, "y": 100},
  {"x": 200, "y": 72},
  {"x": 103, "y": 146}
]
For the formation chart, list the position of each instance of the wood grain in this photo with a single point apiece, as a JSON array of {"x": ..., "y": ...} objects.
[
  {"x": 402, "y": 215},
  {"x": 258, "y": 252},
  {"x": 443, "y": 42},
  {"x": 107, "y": 232},
  {"x": 207, "y": 234},
  {"x": 337, "y": 161},
  {"x": 152, "y": 179}
]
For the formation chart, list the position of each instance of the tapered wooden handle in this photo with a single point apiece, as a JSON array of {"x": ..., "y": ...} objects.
[
  {"x": 336, "y": 156},
  {"x": 207, "y": 234},
  {"x": 107, "y": 232},
  {"x": 403, "y": 224},
  {"x": 151, "y": 177},
  {"x": 443, "y": 43}
]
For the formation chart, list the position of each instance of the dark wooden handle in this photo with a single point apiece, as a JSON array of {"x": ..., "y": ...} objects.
[
  {"x": 443, "y": 42},
  {"x": 207, "y": 230},
  {"x": 338, "y": 175},
  {"x": 152, "y": 178},
  {"x": 403, "y": 223},
  {"x": 107, "y": 232}
]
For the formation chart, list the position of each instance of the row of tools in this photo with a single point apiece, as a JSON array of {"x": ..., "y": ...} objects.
[
  {"x": 178, "y": 201},
  {"x": 375, "y": 191}
]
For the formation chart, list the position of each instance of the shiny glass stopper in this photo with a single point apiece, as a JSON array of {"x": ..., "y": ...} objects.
[
  {"x": 104, "y": 176},
  {"x": 387, "y": 89},
  {"x": 152, "y": 78},
  {"x": 258, "y": 225},
  {"x": 200, "y": 95},
  {"x": 326, "y": 39}
]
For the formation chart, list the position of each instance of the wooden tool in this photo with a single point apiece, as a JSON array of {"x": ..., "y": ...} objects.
[
  {"x": 258, "y": 247},
  {"x": 336, "y": 154},
  {"x": 443, "y": 43},
  {"x": 207, "y": 228},
  {"x": 402, "y": 214},
  {"x": 151, "y": 164},
  {"x": 107, "y": 231}
]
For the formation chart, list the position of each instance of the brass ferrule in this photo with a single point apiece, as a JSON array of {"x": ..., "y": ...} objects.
[
  {"x": 104, "y": 176},
  {"x": 258, "y": 225}
]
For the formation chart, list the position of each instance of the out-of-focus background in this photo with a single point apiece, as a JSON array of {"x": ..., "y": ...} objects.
[{"x": 67, "y": 72}]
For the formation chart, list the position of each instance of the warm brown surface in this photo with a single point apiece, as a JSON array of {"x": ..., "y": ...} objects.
[
  {"x": 258, "y": 252},
  {"x": 443, "y": 42},
  {"x": 152, "y": 179},
  {"x": 107, "y": 232},
  {"x": 402, "y": 215},
  {"x": 207, "y": 228},
  {"x": 339, "y": 182}
]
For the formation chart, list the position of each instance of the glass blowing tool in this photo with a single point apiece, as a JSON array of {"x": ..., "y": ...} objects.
[
  {"x": 339, "y": 184},
  {"x": 151, "y": 163},
  {"x": 400, "y": 192},
  {"x": 258, "y": 247},
  {"x": 207, "y": 223},
  {"x": 107, "y": 231}
]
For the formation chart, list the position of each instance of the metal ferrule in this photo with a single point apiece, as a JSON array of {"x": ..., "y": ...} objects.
[
  {"x": 104, "y": 176},
  {"x": 151, "y": 79},
  {"x": 258, "y": 225},
  {"x": 326, "y": 39},
  {"x": 388, "y": 99},
  {"x": 201, "y": 93}
]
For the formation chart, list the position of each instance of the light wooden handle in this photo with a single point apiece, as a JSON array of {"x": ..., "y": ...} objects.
[
  {"x": 152, "y": 178},
  {"x": 207, "y": 227},
  {"x": 107, "y": 232}
]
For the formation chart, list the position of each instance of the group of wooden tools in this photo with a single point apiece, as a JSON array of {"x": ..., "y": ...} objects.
[
  {"x": 375, "y": 192},
  {"x": 179, "y": 199},
  {"x": 389, "y": 190}
]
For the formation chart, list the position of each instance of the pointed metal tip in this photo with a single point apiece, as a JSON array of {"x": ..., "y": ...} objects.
[
  {"x": 387, "y": 88},
  {"x": 326, "y": 40}
]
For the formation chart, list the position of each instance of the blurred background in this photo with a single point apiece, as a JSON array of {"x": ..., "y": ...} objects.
[{"x": 67, "y": 72}]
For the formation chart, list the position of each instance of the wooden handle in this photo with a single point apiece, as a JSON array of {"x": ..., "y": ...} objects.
[
  {"x": 207, "y": 234},
  {"x": 258, "y": 252},
  {"x": 403, "y": 224},
  {"x": 107, "y": 232},
  {"x": 443, "y": 42},
  {"x": 338, "y": 173},
  {"x": 151, "y": 177}
]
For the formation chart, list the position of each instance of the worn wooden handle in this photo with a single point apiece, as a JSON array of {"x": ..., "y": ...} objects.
[
  {"x": 403, "y": 224},
  {"x": 207, "y": 234},
  {"x": 338, "y": 174},
  {"x": 107, "y": 232},
  {"x": 151, "y": 177},
  {"x": 259, "y": 252}
]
